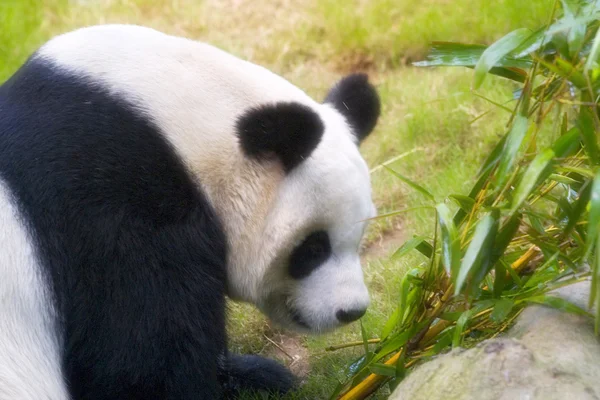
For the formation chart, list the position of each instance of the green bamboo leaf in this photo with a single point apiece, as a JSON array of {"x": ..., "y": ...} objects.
[
  {"x": 464, "y": 202},
  {"x": 398, "y": 212},
  {"x": 562, "y": 179},
  {"x": 395, "y": 342},
  {"x": 577, "y": 170},
  {"x": 505, "y": 236},
  {"x": 501, "y": 310},
  {"x": 499, "y": 279},
  {"x": 450, "y": 54},
  {"x": 475, "y": 264},
  {"x": 593, "y": 56},
  {"x": 594, "y": 238},
  {"x": 594, "y": 215},
  {"x": 513, "y": 274},
  {"x": 365, "y": 339},
  {"x": 401, "y": 367},
  {"x": 444, "y": 341},
  {"x": 383, "y": 370},
  {"x": 567, "y": 144},
  {"x": 586, "y": 126},
  {"x": 565, "y": 70},
  {"x": 559, "y": 304},
  {"x": 532, "y": 44},
  {"x": 394, "y": 320},
  {"x": 497, "y": 51},
  {"x": 511, "y": 149},
  {"x": 450, "y": 240},
  {"x": 537, "y": 171},
  {"x": 594, "y": 293},
  {"x": 425, "y": 248},
  {"x": 407, "y": 247},
  {"x": 411, "y": 183},
  {"x": 460, "y": 327},
  {"x": 578, "y": 208}
]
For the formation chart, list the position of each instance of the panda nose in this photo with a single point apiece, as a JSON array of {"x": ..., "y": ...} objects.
[{"x": 347, "y": 316}]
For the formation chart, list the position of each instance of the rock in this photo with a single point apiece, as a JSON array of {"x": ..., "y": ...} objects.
[{"x": 548, "y": 354}]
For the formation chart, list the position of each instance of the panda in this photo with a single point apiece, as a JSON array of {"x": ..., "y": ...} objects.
[{"x": 145, "y": 177}]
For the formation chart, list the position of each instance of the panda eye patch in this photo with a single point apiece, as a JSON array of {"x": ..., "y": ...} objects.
[{"x": 309, "y": 255}]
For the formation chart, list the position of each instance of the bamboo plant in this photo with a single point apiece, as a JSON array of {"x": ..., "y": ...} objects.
[{"x": 530, "y": 222}]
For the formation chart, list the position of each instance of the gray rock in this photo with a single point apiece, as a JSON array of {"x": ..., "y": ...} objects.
[{"x": 547, "y": 355}]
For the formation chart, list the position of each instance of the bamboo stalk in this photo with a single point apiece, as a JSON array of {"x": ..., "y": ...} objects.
[
  {"x": 372, "y": 382},
  {"x": 351, "y": 344}
]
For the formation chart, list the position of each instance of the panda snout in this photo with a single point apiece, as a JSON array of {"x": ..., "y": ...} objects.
[{"x": 347, "y": 316}]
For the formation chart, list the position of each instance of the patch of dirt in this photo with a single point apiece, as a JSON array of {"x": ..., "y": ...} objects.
[
  {"x": 385, "y": 245},
  {"x": 290, "y": 349}
]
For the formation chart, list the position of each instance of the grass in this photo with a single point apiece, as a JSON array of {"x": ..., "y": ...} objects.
[{"x": 312, "y": 43}]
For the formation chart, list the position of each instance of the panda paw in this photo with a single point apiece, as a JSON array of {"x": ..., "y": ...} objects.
[{"x": 256, "y": 374}]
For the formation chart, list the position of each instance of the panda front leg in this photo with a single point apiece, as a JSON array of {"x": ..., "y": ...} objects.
[{"x": 250, "y": 373}]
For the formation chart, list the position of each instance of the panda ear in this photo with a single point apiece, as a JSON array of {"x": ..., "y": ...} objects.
[
  {"x": 289, "y": 131},
  {"x": 357, "y": 100}
]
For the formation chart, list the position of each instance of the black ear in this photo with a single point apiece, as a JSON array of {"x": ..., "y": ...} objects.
[
  {"x": 290, "y": 131},
  {"x": 356, "y": 99}
]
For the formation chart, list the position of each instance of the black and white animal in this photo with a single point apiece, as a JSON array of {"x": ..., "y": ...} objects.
[{"x": 144, "y": 177}]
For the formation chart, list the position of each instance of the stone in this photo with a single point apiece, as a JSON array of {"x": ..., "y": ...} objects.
[{"x": 548, "y": 354}]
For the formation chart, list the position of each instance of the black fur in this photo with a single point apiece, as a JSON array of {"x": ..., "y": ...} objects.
[
  {"x": 131, "y": 248},
  {"x": 289, "y": 131},
  {"x": 309, "y": 255},
  {"x": 250, "y": 373},
  {"x": 358, "y": 101}
]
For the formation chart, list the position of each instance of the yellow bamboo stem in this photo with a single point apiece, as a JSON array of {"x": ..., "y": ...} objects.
[
  {"x": 372, "y": 382},
  {"x": 351, "y": 344}
]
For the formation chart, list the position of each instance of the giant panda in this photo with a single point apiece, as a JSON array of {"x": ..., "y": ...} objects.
[{"x": 143, "y": 178}]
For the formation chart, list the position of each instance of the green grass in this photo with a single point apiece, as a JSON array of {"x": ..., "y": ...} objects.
[
  {"x": 366, "y": 33},
  {"x": 312, "y": 43}
]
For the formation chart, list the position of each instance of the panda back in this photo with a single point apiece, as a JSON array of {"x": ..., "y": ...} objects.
[{"x": 129, "y": 248}]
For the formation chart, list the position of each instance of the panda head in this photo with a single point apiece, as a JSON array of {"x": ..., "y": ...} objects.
[{"x": 303, "y": 268}]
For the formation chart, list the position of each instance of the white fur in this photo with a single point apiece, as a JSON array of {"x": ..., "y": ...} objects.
[
  {"x": 30, "y": 366},
  {"x": 195, "y": 93}
]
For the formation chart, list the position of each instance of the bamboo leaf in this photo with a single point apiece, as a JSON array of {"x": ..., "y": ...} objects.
[
  {"x": 395, "y": 319},
  {"x": 593, "y": 56},
  {"x": 425, "y": 248},
  {"x": 594, "y": 215},
  {"x": 588, "y": 134},
  {"x": 594, "y": 293},
  {"x": 499, "y": 279},
  {"x": 365, "y": 339},
  {"x": 460, "y": 326},
  {"x": 394, "y": 343},
  {"x": 537, "y": 171},
  {"x": 502, "y": 308},
  {"x": 407, "y": 247},
  {"x": 505, "y": 236},
  {"x": 567, "y": 144},
  {"x": 497, "y": 51},
  {"x": 411, "y": 183},
  {"x": 450, "y": 54},
  {"x": 532, "y": 44},
  {"x": 450, "y": 240},
  {"x": 559, "y": 304},
  {"x": 464, "y": 202},
  {"x": 383, "y": 370},
  {"x": 511, "y": 149},
  {"x": 579, "y": 208},
  {"x": 444, "y": 341},
  {"x": 477, "y": 256}
]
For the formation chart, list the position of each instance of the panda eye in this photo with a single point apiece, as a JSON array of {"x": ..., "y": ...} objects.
[{"x": 309, "y": 255}]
